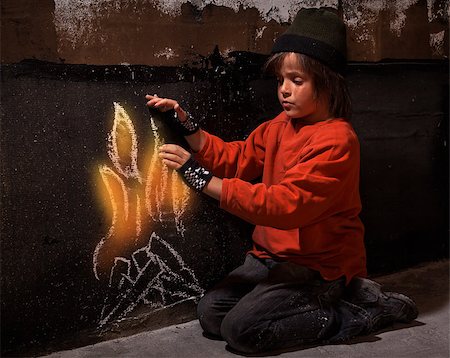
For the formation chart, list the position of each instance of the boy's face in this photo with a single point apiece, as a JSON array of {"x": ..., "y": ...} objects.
[{"x": 296, "y": 92}]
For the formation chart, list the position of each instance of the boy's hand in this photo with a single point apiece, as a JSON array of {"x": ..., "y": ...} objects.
[
  {"x": 175, "y": 115},
  {"x": 192, "y": 172},
  {"x": 166, "y": 104},
  {"x": 181, "y": 122},
  {"x": 173, "y": 155}
]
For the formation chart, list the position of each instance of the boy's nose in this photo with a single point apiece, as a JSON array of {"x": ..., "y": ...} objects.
[
  {"x": 285, "y": 93},
  {"x": 285, "y": 90}
]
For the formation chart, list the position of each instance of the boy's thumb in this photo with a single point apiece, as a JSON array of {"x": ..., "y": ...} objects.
[{"x": 182, "y": 115}]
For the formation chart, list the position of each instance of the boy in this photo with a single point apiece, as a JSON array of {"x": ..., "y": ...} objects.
[{"x": 308, "y": 238}]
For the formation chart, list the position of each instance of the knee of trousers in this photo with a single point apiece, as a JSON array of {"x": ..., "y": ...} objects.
[
  {"x": 208, "y": 317},
  {"x": 239, "y": 335},
  {"x": 265, "y": 335},
  {"x": 231, "y": 332}
]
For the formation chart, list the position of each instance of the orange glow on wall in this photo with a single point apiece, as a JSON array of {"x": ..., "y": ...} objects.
[{"x": 134, "y": 199}]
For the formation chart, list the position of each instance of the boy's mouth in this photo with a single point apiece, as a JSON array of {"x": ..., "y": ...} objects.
[{"x": 287, "y": 104}]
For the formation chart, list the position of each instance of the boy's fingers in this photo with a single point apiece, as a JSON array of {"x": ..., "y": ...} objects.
[
  {"x": 152, "y": 102},
  {"x": 172, "y": 157},
  {"x": 150, "y": 97},
  {"x": 171, "y": 148},
  {"x": 176, "y": 150},
  {"x": 182, "y": 115},
  {"x": 159, "y": 102},
  {"x": 155, "y": 101},
  {"x": 171, "y": 164},
  {"x": 165, "y": 104}
]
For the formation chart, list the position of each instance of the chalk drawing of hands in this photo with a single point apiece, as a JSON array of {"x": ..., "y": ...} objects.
[{"x": 138, "y": 203}]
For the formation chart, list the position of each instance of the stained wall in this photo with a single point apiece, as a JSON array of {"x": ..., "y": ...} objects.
[
  {"x": 98, "y": 240},
  {"x": 153, "y": 32}
]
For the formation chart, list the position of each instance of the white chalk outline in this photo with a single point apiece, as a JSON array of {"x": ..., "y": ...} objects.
[
  {"x": 154, "y": 192},
  {"x": 156, "y": 283}
]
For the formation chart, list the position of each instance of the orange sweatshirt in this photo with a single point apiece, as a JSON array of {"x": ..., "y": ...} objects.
[{"x": 306, "y": 207}]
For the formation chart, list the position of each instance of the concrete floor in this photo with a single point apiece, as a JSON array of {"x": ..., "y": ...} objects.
[{"x": 427, "y": 337}]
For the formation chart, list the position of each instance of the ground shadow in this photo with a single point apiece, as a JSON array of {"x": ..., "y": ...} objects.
[
  {"x": 426, "y": 284},
  {"x": 357, "y": 340}
]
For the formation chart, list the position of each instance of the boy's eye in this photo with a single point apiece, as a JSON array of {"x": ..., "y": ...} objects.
[{"x": 298, "y": 81}]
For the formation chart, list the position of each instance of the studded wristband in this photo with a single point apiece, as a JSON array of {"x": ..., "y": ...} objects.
[
  {"x": 195, "y": 175},
  {"x": 185, "y": 128}
]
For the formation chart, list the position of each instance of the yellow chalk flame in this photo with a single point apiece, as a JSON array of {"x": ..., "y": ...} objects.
[
  {"x": 131, "y": 203},
  {"x": 123, "y": 144}
]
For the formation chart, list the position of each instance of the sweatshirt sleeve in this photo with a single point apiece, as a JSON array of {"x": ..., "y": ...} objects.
[
  {"x": 314, "y": 188},
  {"x": 242, "y": 159}
]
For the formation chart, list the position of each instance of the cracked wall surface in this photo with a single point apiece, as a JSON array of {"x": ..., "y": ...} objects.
[{"x": 178, "y": 32}]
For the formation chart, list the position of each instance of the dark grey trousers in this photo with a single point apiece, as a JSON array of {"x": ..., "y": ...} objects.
[{"x": 265, "y": 305}]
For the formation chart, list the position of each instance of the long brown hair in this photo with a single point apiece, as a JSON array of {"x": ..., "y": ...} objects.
[{"x": 326, "y": 82}]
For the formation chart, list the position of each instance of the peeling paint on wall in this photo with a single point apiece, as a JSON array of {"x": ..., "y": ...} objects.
[
  {"x": 399, "y": 10},
  {"x": 260, "y": 32},
  {"x": 437, "y": 42},
  {"x": 105, "y": 32},
  {"x": 177, "y": 32},
  {"x": 437, "y": 9},
  {"x": 359, "y": 14},
  {"x": 74, "y": 18},
  {"x": 278, "y": 10},
  {"x": 168, "y": 52}
]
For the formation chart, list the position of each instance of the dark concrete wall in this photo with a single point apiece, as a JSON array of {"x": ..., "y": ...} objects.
[
  {"x": 55, "y": 125},
  {"x": 52, "y": 221}
]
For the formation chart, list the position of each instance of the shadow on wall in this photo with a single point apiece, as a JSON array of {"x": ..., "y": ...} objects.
[{"x": 97, "y": 236}]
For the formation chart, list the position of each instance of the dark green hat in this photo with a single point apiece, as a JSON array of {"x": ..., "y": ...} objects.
[{"x": 318, "y": 33}]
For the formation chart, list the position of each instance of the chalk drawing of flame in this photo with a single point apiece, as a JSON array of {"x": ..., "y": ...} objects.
[{"x": 136, "y": 201}]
